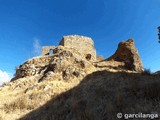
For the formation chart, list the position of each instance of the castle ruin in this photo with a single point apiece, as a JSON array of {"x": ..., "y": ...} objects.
[
  {"x": 47, "y": 50},
  {"x": 84, "y": 45}
]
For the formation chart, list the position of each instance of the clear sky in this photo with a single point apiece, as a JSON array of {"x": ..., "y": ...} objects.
[{"x": 26, "y": 25}]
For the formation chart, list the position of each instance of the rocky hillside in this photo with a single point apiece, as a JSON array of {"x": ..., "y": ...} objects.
[
  {"x": 64, "y": 64},
  {"x": 72, "y": 85}
]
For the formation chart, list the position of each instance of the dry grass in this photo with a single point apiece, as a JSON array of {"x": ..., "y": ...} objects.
[
  {"x": 99, "y": 96},
  {"x": 15, "y": 101},
  {"x": 101, "y": 91}
]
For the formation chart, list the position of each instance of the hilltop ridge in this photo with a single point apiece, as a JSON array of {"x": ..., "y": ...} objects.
[
  {"x": 78, "y": 51},
  {"x": 71, "y": 79}
]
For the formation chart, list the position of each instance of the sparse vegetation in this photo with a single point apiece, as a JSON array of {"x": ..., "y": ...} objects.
[{"x": 94, "y": 98}]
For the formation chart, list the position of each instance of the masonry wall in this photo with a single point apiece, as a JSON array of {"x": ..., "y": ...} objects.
[
  {"x": 84, "y": 45},
  {"x": 46, "y": 49}
]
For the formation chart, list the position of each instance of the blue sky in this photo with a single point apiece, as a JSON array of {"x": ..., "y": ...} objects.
[{"x": 26, "y": 25}]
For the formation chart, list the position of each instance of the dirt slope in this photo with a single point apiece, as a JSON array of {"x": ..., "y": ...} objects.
[{"x": 100, "y": 96}]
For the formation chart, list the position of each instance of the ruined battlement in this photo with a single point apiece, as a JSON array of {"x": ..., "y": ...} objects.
[
  {"x": 46, "y": 50},
  {"x": 84, "y": 45}
]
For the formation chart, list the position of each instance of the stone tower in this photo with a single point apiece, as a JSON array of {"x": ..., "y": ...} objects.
[{"x": 84, "y": 45}]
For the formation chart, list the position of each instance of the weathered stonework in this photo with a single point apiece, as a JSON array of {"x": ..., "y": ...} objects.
[
  {"x": 128, "y": 53},
  {"x": 46, "y": 50},
  {"x": 84, "y": 45},
  {"x": 75, "y": 57},
  {"x": 64, "y": 62}
]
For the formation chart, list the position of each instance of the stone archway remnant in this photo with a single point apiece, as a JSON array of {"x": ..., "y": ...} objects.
[{"x": 46, "y": 50}]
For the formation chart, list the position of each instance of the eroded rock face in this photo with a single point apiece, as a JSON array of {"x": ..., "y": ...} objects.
[{"x": 128, "y": 53}]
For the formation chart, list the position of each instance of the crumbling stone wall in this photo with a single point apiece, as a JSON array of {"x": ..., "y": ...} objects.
[
  {"x": 84, "y": 45},
  {"x": 64, "y": 62},
  {"x": 128, "y": 53},
  {"x": 46, "y": 50}
]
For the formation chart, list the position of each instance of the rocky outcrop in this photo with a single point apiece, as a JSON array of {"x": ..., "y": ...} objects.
[
  {"x": 65, "y": 63},
  {"x": 128, "y": 53},
  {"x": 75, "y": 56}
]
